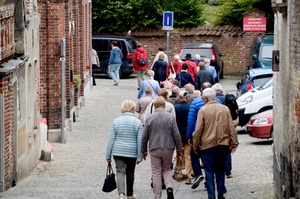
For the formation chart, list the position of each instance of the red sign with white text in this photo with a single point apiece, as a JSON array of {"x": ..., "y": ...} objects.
[{"x": 255, "y": 24}]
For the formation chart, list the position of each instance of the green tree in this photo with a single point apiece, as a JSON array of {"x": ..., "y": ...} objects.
[
  {"x": 119, "y": 16},
  {"x": 233, "y": 11}
]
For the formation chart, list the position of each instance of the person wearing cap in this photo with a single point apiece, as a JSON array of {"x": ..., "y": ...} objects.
[
  {"x": 176, "y": 66},
  {"x": 182, "y": 112},
  {"x": 214, "y": 136},
  {"x": 190, "y": 89},
  {"x": 211, "y": 69},
  {"x": 192, "y": 69},
  {"x": 202, "y": 76},
  {"x": 219, "y": 91}
]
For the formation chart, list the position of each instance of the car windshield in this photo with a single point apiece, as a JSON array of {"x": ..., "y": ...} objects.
[
  {"x": 268, "y": 84},
  {"x": 204, "y": 53},
  {"x": 266, "y": 52},
  {"x": 261, "y": 80}
]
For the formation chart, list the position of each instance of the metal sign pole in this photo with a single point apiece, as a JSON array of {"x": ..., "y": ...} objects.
[
  {"x": 168, "y": 38},
  {"x": 62, "y": 59}
]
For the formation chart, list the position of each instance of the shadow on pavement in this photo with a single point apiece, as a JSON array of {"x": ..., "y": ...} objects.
[
  {"x": 241, "y": 131},
  {"x": 104, "y": 76},
  {"x": 263, "y": 142}
]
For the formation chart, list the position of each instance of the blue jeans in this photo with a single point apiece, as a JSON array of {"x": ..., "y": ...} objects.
[
  {"x": 228, "y": 164},
  {"x": 214, "y": 163},
  {"x": 114, "y": 71},
  {"x": 94, "y": 66},
  {"x": 196, "y": 163}
]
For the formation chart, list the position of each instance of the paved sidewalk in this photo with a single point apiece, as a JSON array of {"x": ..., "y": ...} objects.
[{"x": 78, "y": 170}]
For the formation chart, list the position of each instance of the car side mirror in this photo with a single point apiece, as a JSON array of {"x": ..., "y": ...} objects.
[
  {"x": 254, "y": 57},
  {"x": 222, "y": 54}
]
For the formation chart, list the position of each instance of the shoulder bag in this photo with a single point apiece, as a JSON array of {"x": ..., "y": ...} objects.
[
  {"x": 110, "y": 181},
  {"x": 172, "y": 75},
  {"x": 152, "y": 87}
]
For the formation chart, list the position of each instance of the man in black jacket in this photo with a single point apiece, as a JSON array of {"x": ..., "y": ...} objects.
[{"x": 202, "y": 76}]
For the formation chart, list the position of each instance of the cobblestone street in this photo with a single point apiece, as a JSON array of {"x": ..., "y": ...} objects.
[{"x": 79, "y": 167}]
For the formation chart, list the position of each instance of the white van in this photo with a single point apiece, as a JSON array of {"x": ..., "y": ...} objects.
[{"x": 255, "y": 101}]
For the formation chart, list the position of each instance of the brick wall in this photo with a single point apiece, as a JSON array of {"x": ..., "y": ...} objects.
[
  {"x": 6, "y": 87},
  {"x": 233, "y": 47},
  {"x": 75, "y": 27}
]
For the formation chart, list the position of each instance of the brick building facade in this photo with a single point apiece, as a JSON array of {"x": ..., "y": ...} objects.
[
  {"x": 19, "y": 94},
  {"x": 286, "y": 95},
  {"x": 70, "y": 20},
  {"x": 230, "y": 40}
]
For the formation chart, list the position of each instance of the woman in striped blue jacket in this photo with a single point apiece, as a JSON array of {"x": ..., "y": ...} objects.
[{"x": 124, "y": 144}]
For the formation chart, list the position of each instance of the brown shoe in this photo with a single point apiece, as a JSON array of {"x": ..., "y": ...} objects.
[
  {"x": 229, "y": 176},
  {"x": 188, "y": 181}
]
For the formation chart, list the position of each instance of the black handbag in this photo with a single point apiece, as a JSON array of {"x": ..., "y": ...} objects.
[{"x": 110, "y": 181}]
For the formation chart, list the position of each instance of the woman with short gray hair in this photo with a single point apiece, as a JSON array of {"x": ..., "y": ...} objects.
[
  {"x": 162, "y": 133},
  {"x": 124, "y": 144}
]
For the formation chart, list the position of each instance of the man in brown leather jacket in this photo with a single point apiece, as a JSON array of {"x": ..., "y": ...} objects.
[{"x": 214, "y": 136}]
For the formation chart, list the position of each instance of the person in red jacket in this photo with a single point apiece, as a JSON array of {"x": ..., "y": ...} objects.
[
  {"x": 140, "y": 69},
  {"x": 176, "y": 65},
  {"x": 192, "y": 66}
]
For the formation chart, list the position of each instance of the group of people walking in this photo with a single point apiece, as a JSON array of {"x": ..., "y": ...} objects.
[{"x": 197, "y": 125}]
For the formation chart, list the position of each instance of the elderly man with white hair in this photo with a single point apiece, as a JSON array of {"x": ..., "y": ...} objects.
[
  {"x": 214, "y": 136},
  {"x": 219, "y": 91}
]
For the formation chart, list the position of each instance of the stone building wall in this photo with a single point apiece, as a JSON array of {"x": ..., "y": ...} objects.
[{"x": 286, "y": 100}]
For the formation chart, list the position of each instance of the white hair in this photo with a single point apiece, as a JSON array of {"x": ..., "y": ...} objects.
[
  {"x": 209, "y": 93},
  {"x": 177, "y": 57},
  {"x": 127, "y": 106},
  {"x": 217, "y": 87}
]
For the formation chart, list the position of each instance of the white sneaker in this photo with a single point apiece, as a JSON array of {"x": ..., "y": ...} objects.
[
  {"x": 116, "y": 82},
  {"x": 122, "y": 196},
  {"x": 131, "y": 197}
]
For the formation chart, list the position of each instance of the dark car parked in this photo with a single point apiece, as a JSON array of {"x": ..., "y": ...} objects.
[
  {"x": 102, "y": 44},
  {"x": 261, "y": 51},
  {"x": 209, "y": 51}
]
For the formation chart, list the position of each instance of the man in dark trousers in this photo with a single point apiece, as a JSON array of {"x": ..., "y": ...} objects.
[
  {"x": 214, "y": 136},
  {"x": 182, "y": 112},
  {"x": 202, "y": 76}
]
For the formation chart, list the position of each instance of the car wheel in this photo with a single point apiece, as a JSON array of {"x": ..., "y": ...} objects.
[
  {"x": 121, "y": 72},
  {"x": 272, "y": 134},
  {"x": 106, "y": 70},
  {"x": 221, "y": 75}
]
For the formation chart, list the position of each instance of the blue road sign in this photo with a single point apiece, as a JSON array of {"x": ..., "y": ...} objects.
[{"x": 168, "y": 19}]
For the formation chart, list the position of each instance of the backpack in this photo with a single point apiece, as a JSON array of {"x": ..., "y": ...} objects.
[
  {"x": 141, "y": 58},
  {"x": 230, "y": 102}
]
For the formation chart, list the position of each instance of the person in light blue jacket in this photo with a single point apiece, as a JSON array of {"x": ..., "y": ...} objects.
[
  {"x": 114, "y": 62},
  {"x": 124, "y": 144}
]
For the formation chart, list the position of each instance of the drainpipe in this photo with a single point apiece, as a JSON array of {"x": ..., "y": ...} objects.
[{"x": 2, "y": 142}]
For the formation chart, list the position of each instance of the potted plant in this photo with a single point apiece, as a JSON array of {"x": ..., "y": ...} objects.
[{"x": 76, "y": 81}]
